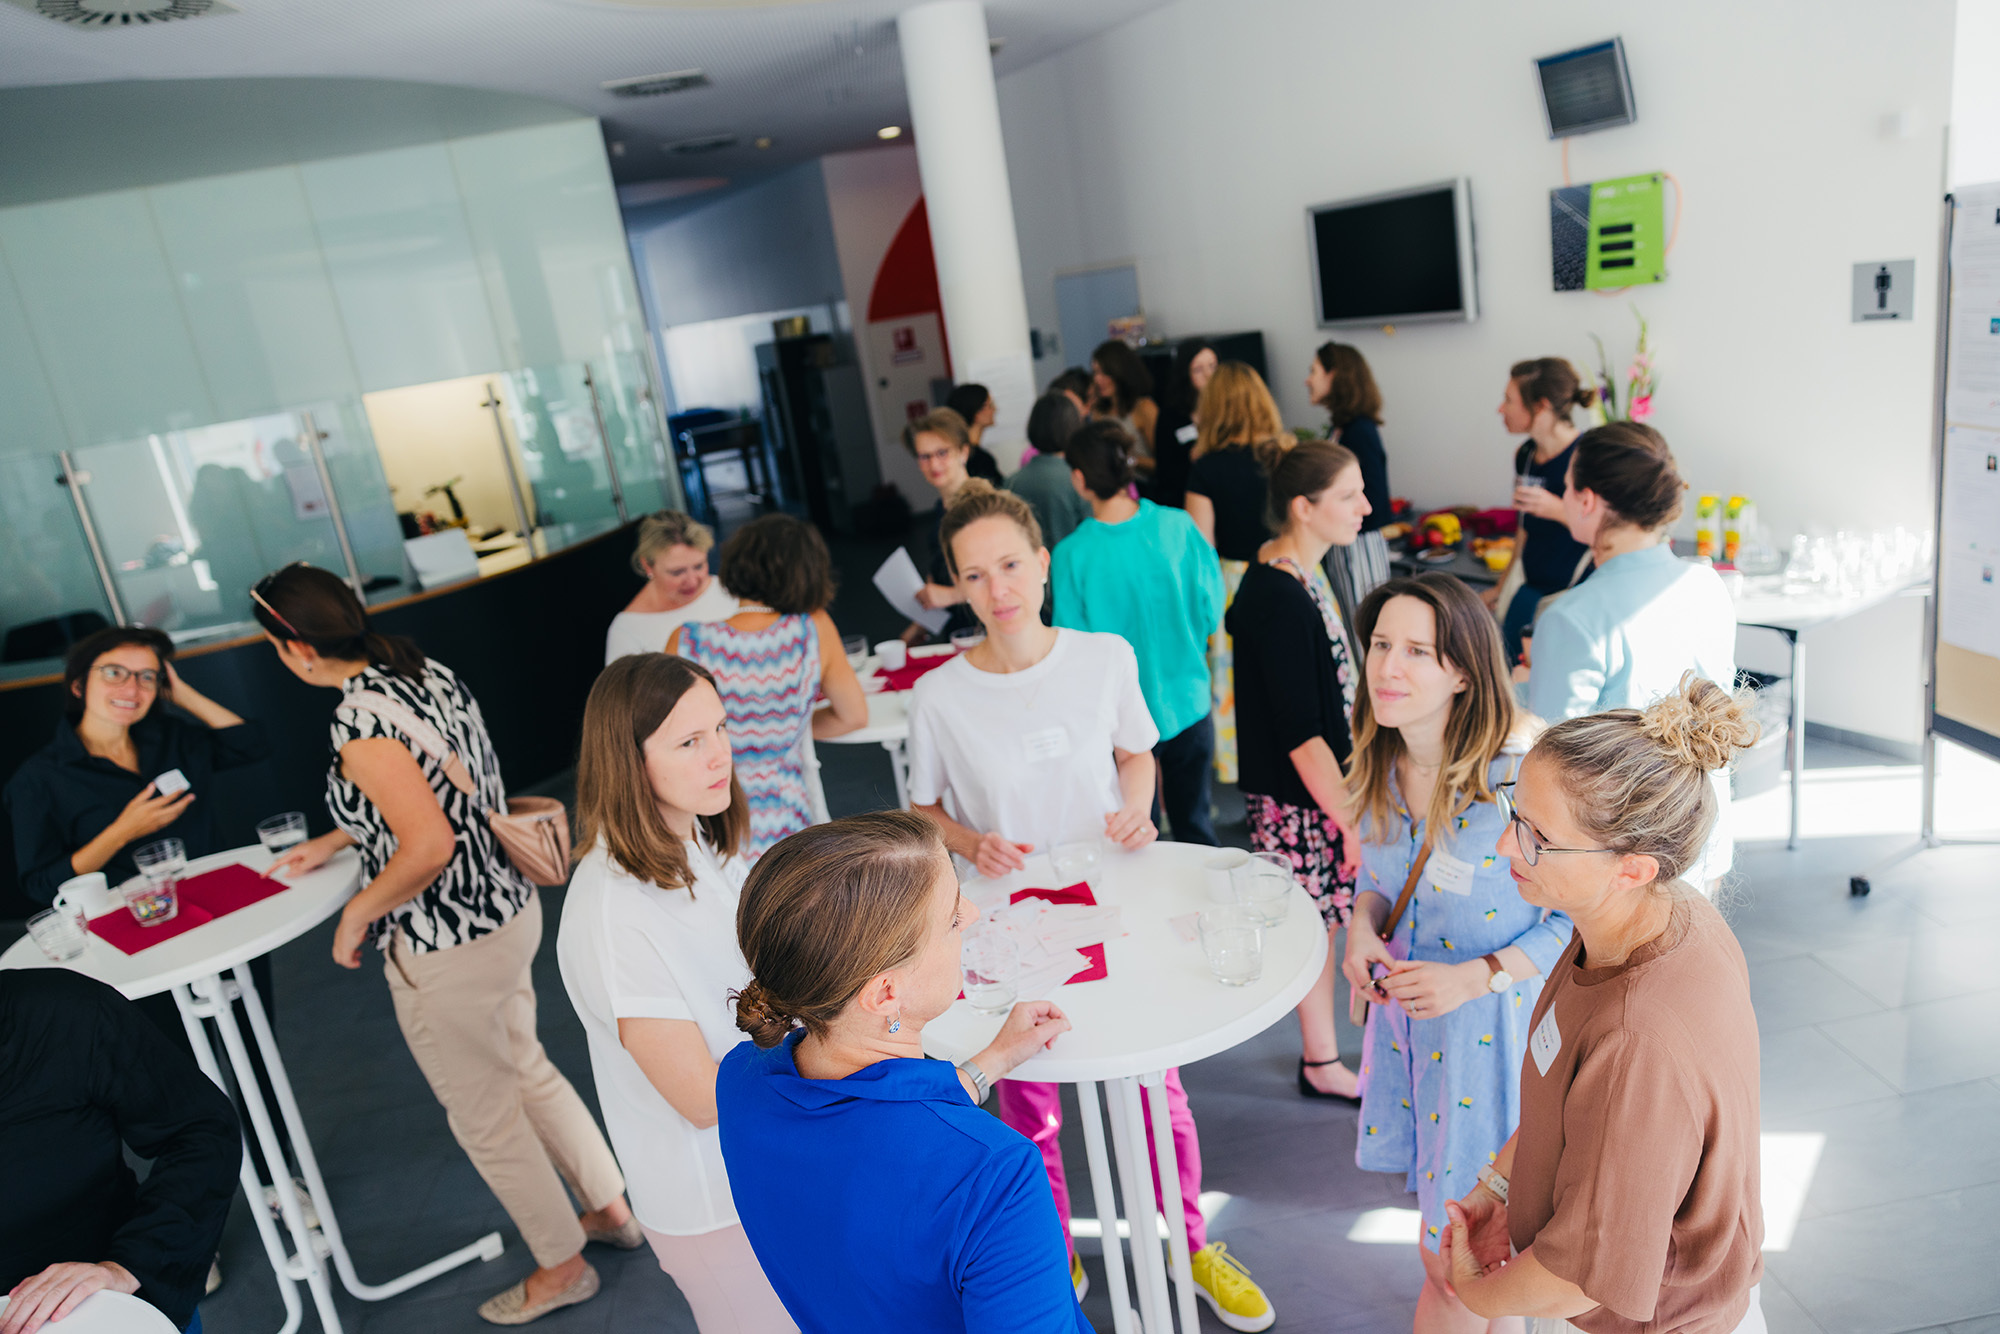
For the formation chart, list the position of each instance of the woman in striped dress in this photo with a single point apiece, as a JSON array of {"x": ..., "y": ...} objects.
[{"x": 770, "y": 661}]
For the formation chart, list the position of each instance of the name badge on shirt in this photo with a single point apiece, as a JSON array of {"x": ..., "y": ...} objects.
[
  {"x": 1449, "y": 874},
  {"x": 1051, "y": 743},
  {"x": 1545, "y": 1042},
  {"x": 1187, "y": 434}
]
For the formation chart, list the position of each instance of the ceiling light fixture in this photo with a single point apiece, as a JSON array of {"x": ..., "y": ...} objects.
[
  {"x": 123, "y": 13},
  {"x": 653, "y": 85},
  {"x": 762, "y": 141},
  {"x": 889, "y": 132},
  {"x": 706, "y": 143}
]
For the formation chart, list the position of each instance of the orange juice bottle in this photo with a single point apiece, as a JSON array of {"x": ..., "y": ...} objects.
[
  {"x": 1732, "y": 529},
  {"x": 1706, "y": 511}
]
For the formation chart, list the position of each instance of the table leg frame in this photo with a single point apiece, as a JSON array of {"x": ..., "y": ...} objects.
[
  {"x": 1107, "y": 1207},
  {"x": 899, "y": 769},
  {"x": 1173, "y": 1209},
  {"x": 1141, "y": 1205}
]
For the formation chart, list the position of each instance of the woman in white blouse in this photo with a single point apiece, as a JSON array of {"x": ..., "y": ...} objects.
[
  {"x": 672, "y": 557},
  {"x": 649, "y": 955}
]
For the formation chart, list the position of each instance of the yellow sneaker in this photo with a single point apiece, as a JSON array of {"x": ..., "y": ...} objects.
[
  {"x": 1077, "y": 1278},
  {"x": 1222, "y": 1281}
]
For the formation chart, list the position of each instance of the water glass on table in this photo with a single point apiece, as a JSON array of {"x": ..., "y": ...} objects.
[
  {"x": 281, "y": 832},
  {"x": 856, "y": 648},
  {"x": 1263, "y": 887},
  {"x": 155, "y": 896},
  {"x": 59, "y": 933},
  {"x": 966, "y": 639},
  {"x": 1233, "y": 940},
  {"x": 991, "y": 965},
  {"x": 1074, "y": 861}
]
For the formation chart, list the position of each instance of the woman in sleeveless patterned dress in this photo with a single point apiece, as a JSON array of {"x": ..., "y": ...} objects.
[{"x": 769, "y": 662}]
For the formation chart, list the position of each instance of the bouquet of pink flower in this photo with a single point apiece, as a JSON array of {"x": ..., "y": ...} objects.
[{"x": 1639, "y": 382}]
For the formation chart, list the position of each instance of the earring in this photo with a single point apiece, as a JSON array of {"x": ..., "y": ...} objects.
[{"x": 896, "y": 1024}]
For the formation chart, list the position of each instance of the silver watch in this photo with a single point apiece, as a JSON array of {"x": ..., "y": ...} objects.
[{"x": 981, "y": 1085}]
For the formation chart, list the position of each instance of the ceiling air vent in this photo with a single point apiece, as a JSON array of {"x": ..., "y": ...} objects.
[
  {"x": 706, "y": 143},
  {"x": 653, "y": 85},
  {"x": 123, "y": 13}
]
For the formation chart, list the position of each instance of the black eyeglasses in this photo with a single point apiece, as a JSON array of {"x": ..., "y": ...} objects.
[
  {"x": 117, "y": 674},
  {"x": 1531, "y": 843}
]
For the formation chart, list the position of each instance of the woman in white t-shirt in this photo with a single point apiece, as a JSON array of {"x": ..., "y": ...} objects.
[
  {"x": 672, "y": 557},
  {"x": 1038, "y": 737},
  {"x": 649, "y": 955}
]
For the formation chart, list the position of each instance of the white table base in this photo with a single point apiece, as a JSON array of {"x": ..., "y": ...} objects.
[
  {"x": 1142, "y": 1206},
  {"x": 209, "y": 998}
]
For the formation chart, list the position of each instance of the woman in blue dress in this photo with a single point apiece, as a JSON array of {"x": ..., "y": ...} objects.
[{"x": 1454, "y": 985}]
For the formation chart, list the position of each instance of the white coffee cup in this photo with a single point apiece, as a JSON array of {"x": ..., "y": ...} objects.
[
  {"x": 894, "y": 654},
  {"x": 89, "y": 895}
]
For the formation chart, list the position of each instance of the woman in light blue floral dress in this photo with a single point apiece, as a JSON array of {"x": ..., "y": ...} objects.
[{"x": 1454, "y": 985}]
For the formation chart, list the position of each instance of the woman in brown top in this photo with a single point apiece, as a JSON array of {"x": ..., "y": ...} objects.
[{"x": 1627, "y": 1200}]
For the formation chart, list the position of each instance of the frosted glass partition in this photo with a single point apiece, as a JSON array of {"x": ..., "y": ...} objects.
[
  {"x": 367, "y": 510},
  {"x": 563, "y": 457},
  {"x": 46, "y": 574},
  {"x": 189, "y": 520},
  {"x": 632, "y": 424}
]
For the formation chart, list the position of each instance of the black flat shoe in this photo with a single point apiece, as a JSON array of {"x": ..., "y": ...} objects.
[{"x": 1306, "y": 1089}]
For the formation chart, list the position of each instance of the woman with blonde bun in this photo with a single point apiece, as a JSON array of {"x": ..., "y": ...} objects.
[{"x": 1628, "y": 1198}]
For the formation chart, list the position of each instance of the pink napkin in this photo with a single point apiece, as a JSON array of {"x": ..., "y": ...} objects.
[
  {"x": 1077, "y": 893},
  {"x": 906, "y": 676},
  {"x": 122, "y": 931},
  {"x": 227, "y": 888}
]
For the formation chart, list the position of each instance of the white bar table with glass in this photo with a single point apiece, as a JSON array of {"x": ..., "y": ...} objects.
[
  {"x": 1159, "y": 1006},
  {"x": 207, "y": 968}
]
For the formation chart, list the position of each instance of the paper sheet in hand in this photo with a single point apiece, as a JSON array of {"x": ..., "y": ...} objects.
[{"x": 899, "y": 581}]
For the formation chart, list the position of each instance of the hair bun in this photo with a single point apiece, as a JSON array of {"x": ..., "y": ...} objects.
[
  {"x": 759, "y": 1015},
  {"x": 1700, "y": 723}
]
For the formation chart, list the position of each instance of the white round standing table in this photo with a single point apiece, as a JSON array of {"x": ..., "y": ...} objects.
[
  {"x": 206, "y": 969},
  {"x": 1158, "y": 1007},
  {"x": 108, "y": 1312}
]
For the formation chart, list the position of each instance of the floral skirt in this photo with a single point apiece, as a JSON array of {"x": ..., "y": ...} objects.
[
  {"x": 1307, "y": 836},
  {"x": 1222, "y": 677}
]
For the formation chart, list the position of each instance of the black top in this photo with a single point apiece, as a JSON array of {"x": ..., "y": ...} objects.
[
  {"x": 1235, "y": 484},
  {"x": 1173, "y": 450},
  {"x": 981, "y": 463},
  {"x": 1549, "y": 560},
  {"x": 1287, "y": 688},
  {"x": 81, "y": 1069},
  {"x": 940, "y": 573},
  {"x": 64, "y": 796},
  {"x": 1364, "y": 438}
]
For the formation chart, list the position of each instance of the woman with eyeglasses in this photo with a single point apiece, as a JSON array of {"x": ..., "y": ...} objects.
[
  {"x": 1436, "y": 736},
  {"x": 1629, "y": 1196},
  {"x": 84, "y": 801},
  {"x": 457, "y": 925},
  {"x": 942, "y": 446}
]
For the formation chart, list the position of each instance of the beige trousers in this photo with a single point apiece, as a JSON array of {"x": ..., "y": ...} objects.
[
  {"x": 724, "y": 1285},
  {"x": 468, "y": 1013}
]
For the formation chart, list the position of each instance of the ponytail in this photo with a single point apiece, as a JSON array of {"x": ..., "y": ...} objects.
[
  {"x": 307, "y": 605},
  {"x": 397, "y": 653},
  {"x": 1306, "y": 469},
  {"x": 1102, "y": 451},
  {"x": 1554, "y": 381}
]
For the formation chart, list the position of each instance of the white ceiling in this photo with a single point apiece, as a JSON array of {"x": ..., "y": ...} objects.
[{"x": 816, "y": 76}]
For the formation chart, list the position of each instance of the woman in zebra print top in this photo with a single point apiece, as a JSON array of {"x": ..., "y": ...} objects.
[{"x": 456, "y": 923}]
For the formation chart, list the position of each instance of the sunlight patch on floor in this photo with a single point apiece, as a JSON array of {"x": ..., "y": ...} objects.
[
  {"x": 1788, "y": 1162},
  {"x": 1210, "y": 1204}
]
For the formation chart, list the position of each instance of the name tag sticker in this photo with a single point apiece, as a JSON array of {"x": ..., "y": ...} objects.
[
  {"x": 1187, "y": 434},
  {"x": 1545, "y": 1042},
  {"x": 1051, "y": 743},
  {"x": 1449, "y": 874}
]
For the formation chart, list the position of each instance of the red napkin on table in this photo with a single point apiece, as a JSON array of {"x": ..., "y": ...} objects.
[
  {"x": 227, "y": 888},
  {"x": 122, "y": 931},
  {"x": 906, "y": 676},
  {"x": 1077, "y": 893}
]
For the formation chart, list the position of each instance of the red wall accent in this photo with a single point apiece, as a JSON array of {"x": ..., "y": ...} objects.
[{"x": 906, "y": 284}]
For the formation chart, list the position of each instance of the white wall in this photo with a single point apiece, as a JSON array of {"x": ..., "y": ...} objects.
[
  {"x": 1192, "y": 140},
  {"x": 767, "y": 247},
  {"x": 1975, "y": 94}
]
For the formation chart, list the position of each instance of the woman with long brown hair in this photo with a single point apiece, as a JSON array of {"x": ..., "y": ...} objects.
[
  {"x": 457, "y": 924},
  {"x": 1339, "y": 381},
  {"x": 649, "y": 956},
  {"x": 1122, "y": 389},
  {"x": 1239, "y": 437},
  {"x": 1435, "y": 733}
]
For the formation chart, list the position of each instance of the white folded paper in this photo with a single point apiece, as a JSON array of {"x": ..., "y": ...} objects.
[
  {"x": 899, "y": 582},
  {"x": 1049, "y": 938}
]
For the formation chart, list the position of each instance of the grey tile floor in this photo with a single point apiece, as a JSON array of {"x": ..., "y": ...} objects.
[{"x": 1880, "y": 1023}]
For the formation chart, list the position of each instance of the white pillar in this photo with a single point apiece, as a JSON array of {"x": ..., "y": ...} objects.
[{"x": 955, "y": 114}]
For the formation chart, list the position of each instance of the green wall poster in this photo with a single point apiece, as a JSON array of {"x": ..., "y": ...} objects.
[{"x": 1608, "y": 234}]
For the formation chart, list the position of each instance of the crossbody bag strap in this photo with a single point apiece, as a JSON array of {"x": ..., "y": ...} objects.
[
  {"x": 1409, "y": 888},
  {"x": 412, "y": 724}
]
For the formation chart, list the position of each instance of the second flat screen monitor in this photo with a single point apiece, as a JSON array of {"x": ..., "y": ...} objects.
[{"x": 1405, "y": 256}]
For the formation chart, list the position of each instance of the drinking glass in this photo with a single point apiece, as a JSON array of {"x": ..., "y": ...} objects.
[
  {"x": 282, "y": 831},
  {"x": 965, "y": 639},
  {"x": 1073, "y": 861},
  {"x": 59, "y": 934},
  {"x": 1233, "y": 940},
  {"x": 1263, "y": 887},
  {"x": 856, "y": 648},
  {"x": 155, "y": 898},
  {"x": 163, "y": 860},
  {"x": 991, "y": 964}
]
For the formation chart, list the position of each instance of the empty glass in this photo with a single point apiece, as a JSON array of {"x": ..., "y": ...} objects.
[
  {"x": 59, "y": 934},
  {"x": 965, "y": 639},
  {"x": 991, "y": 965},
  {"x": 282, "y": 831},
  {"x": 1263, "y": 887},
  {"x": 161, "y": 860},
  {"x": 1073, "y": 861},
  {"x": 1233, "y": 940}
]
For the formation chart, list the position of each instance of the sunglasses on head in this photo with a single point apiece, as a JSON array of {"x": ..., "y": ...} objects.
[{"x": 257, "y": 596}]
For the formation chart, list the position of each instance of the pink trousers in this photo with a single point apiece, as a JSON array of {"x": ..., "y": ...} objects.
[{"x": 1036, "y": 1111}]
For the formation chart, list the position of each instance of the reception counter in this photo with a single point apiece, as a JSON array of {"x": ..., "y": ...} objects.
[{"x": 528, "y": 641}]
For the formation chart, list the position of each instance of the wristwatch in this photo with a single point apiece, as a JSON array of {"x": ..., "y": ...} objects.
[
  {"x": 1501, "y": 979},
  {"x": 1494, "y": 1182},
  {"x": 980, "y": 1083}
]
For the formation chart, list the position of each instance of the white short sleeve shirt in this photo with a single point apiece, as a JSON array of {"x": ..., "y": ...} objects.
[
  {"x": 649, "y": 631},
  {"x": 632, "y": 950},
  {"x": 1027, "y": 755}
]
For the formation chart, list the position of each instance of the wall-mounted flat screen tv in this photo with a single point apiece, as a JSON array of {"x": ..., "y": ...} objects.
[{"x": 1396, "y": 258}]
